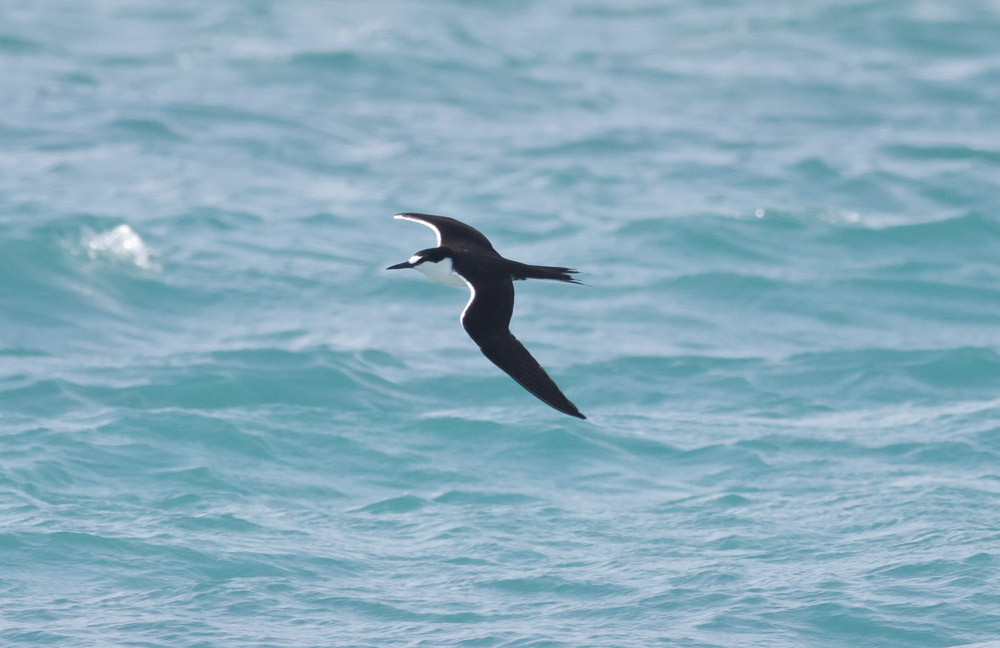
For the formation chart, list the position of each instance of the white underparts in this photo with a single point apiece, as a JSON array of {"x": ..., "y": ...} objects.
[{"x": 441, "y": 272}]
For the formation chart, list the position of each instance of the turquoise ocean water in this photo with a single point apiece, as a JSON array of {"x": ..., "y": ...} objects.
[{"x": 223, "y": 424}]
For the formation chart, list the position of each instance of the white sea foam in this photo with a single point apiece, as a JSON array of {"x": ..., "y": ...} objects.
[{"x": 120, "y": 244}]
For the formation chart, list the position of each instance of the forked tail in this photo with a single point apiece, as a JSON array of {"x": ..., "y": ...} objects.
[{"x": 557, "y": 273}]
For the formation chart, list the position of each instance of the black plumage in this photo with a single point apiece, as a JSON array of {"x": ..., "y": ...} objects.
[{"x": 486, "y": 317}]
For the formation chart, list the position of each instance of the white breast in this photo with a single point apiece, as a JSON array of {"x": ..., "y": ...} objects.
[{"x": 441, "y": 272}]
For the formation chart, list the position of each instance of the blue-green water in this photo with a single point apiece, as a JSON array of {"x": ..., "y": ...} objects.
[{"x": 223, "y": 424}]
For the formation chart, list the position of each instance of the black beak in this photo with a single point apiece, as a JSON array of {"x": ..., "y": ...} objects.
[{"x": 400, "y": 266}]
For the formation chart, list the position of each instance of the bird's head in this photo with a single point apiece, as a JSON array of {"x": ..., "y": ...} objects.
[
  {"x": 431, "y": 255},
  {"x": 435, "y": 263}
]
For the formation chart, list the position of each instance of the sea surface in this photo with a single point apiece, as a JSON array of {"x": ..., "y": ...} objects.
[{"x": 223, "y": 424}]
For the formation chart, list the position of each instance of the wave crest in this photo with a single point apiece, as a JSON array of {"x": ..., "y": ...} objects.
[{"x": 119, "y": 245}]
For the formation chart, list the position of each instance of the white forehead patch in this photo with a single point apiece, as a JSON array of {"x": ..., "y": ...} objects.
[{"x": 414, "y": 259}]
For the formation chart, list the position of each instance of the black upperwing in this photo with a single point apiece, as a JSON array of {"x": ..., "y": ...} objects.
[
  {"x": 450, "y": 232},
  {"x": 486, "y": 319}
]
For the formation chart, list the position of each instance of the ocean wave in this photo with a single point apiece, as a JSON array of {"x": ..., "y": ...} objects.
[{"x": 120, "y": 244}]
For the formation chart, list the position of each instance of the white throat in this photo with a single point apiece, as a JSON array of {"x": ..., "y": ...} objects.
[{"x": 441, "y": 272}]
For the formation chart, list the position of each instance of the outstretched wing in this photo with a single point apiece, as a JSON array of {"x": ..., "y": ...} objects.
[
  {"x": 450, "y": 232},
  {"x": 486, "y": 319},
  {"x": 510, "y": 355}
]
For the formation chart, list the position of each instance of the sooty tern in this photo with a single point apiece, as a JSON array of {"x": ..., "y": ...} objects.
[{"x": 464, "y": 256}]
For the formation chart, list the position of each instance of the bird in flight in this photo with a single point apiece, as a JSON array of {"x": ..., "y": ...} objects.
[{"x": 464, "y": 257}]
